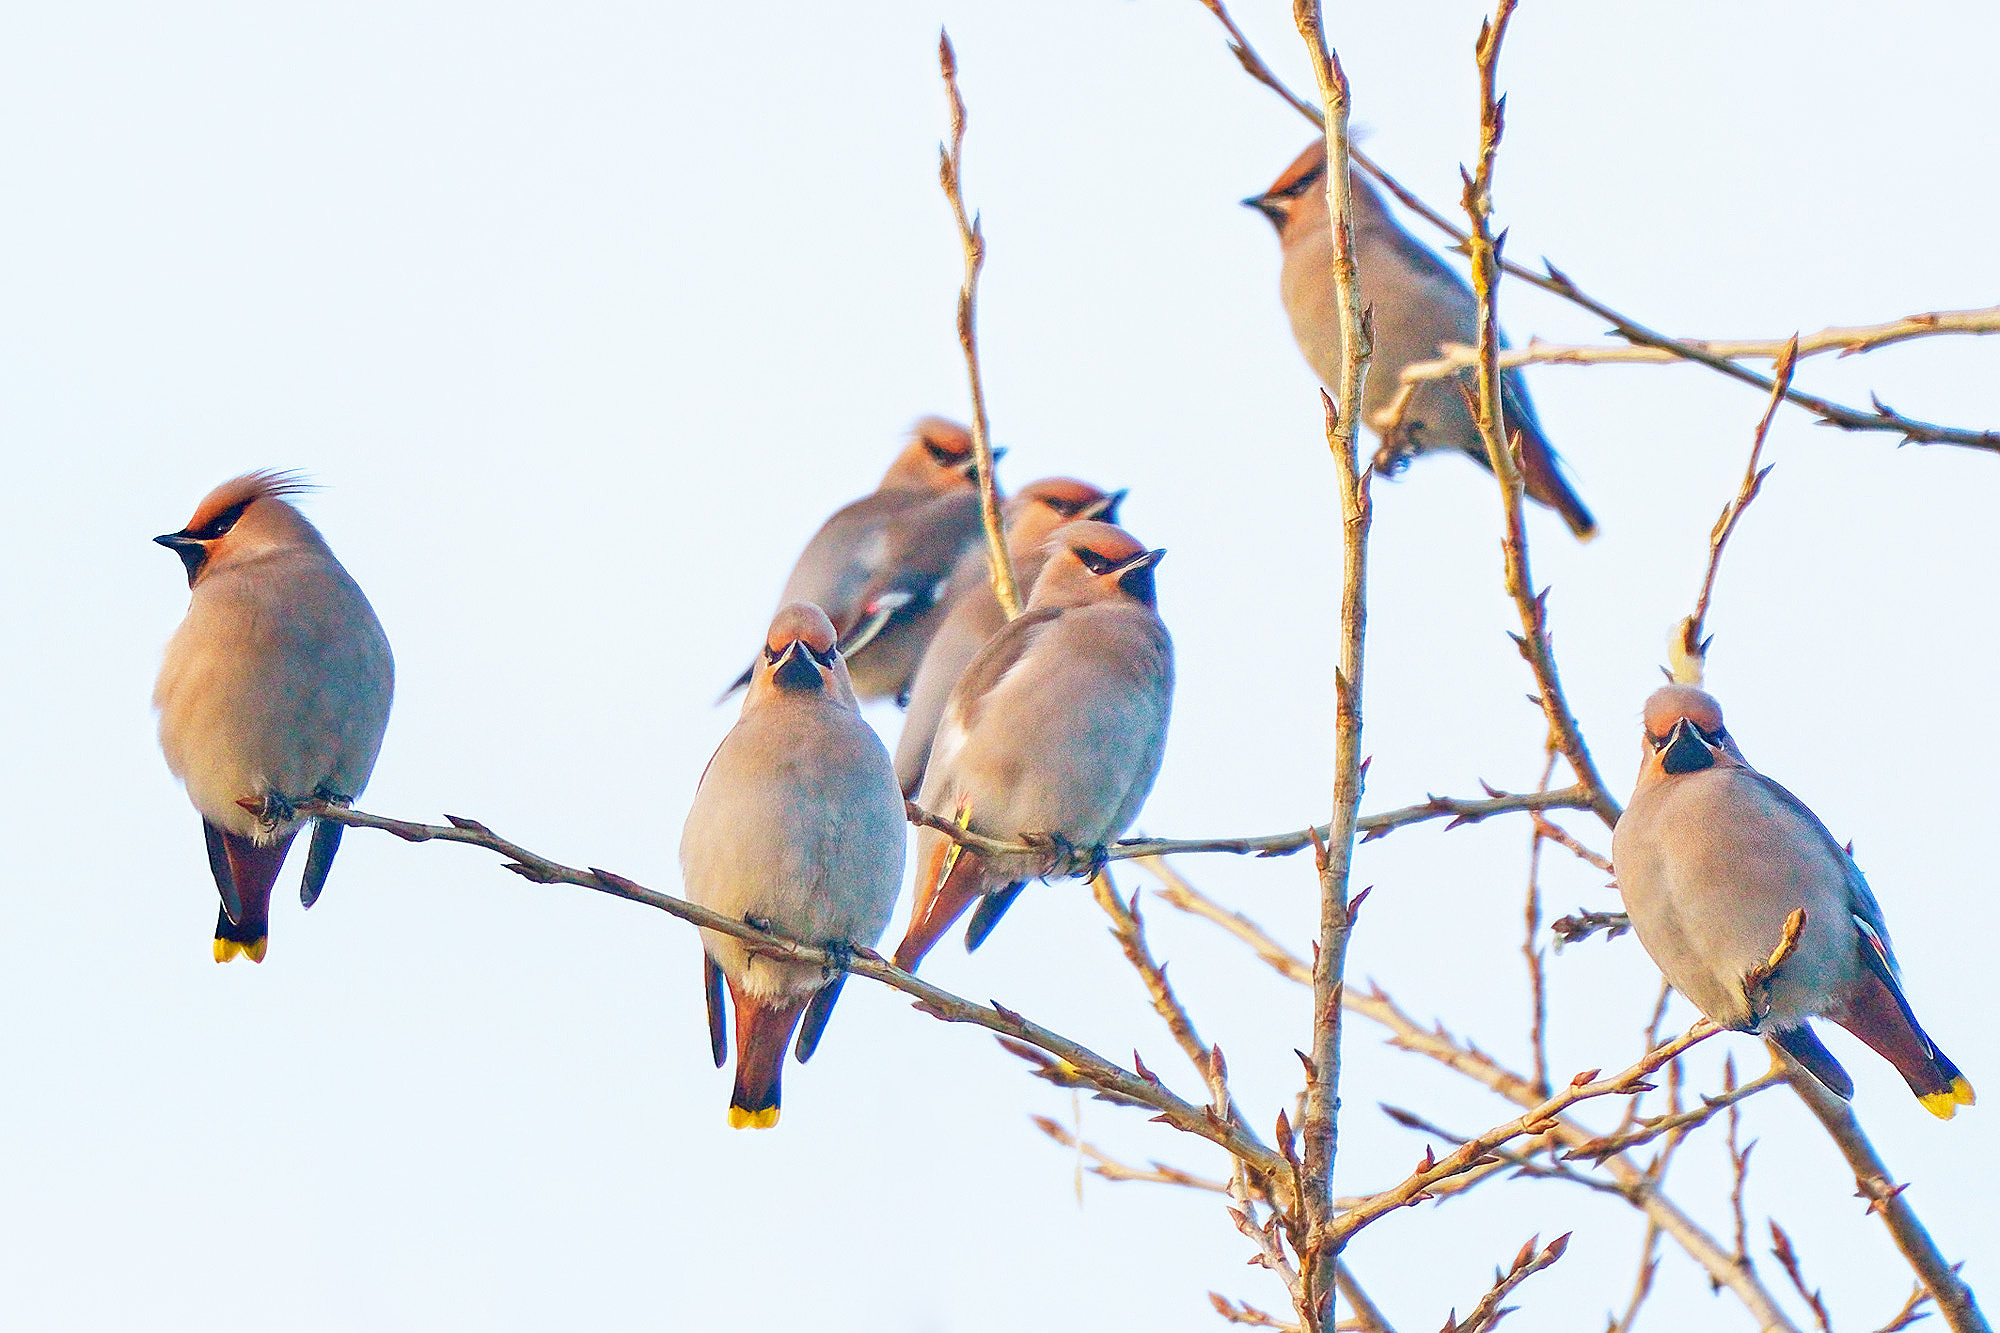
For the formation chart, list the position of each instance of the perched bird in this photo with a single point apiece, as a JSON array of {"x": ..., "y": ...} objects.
[
  {"x": 971, "y": 614},
  {"x": 1713, "y": 857},
  {"x": 275, "y": 690},
  {"x": 879, "y": 564},
  {"x": 1052, "y": 736},
  {"x": 1418, "y": 303},
  {"x": 797, "y": 827}
]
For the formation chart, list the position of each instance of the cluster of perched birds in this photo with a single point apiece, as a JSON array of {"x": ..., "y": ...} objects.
[{"x": 1043, "y": 732}]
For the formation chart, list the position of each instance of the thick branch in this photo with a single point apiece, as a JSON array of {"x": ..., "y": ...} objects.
[
  {"x": 1321, "y": 1124},
  {"x": 1954, "y": 1298},
  {"x": 1086, "y": 1066}
]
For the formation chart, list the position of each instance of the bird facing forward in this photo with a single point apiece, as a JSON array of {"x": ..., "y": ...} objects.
[
  {"x": 1052, "y": 736},
  {"x": 274, "y": 690},
  {"x": 1417, "y": 303},
  {"x": 797, "y": 827},
  {"x": 1712, "y": 858}
]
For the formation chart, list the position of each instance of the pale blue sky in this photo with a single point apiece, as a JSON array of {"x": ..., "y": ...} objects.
[{"x": 586, "y": 314}]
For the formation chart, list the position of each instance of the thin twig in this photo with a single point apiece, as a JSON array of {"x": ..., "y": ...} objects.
[
  {"x": 1788, "y": 1259},
  {"x": 1843, "y": 340},
  {"x": 1558, "y": 283},
  {"x": 1249, "y": 1315},
  {"x": 1435, "y": 1044},
  {"x": 1368, "y": 1318},
  {"x": 1692, "y": 649},
  {"x": 1533, "y": 641},
  {"x": 1110, "y": 1168},
  {"x": 1006, "y": 589},
  {"x": 1082, "y": 1065},
  {"x": 1320, "y": 1123},
  {"x": 1562, "y": 837},
  {"x": 1458, "y": 811},
  {"x": 1912, "y": 1310},
  {"x": 1531, "y": 944},
  {"x": 1676, "y": 1123},
  {"x": 1538, "y": 1119},
  {"x": 1527, "y": 1263},
  {"x": 1642, "y": 1284}
]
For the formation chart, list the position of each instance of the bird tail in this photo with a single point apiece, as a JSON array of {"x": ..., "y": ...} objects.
[
  {"x": 1881, "y": 1018},
  {"x": 252, "y": 870},
  {"x": 948, "y": 883},
  {"x": 1804, "y": 1046},
  {"x": 1542, "y": 476},
  {"x": 739, "y": 683},
  {"x": 763, "y": 1031}
]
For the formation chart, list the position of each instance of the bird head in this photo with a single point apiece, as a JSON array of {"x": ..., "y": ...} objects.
[
  {"x": 801, "y": 656},
  {"x": 243, "y": 516},
  {"x": 1040, "y": 507},
  {"x": 1296, "y": 201},
  {"x": 1684, "y": 734},
  {"x": 938, "y": 458},
  {"x": 1095, "y": 562}
]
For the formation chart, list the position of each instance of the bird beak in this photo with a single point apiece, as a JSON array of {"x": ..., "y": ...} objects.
[
  {"x": 795, "y": 669},
  {"x": 972, "y": 464},
  {"x": 1269, "y": 207},
  {"x": 1105, "y": 510},
  {"x": 1687, "y": 751},
  {"x": 1135, "y": 576},
  {"x": 193, "y": 553}
]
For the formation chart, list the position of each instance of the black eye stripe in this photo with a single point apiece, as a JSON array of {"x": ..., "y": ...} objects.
[
  {"x": 1094, "y": 562},
  {"x": 220, "y": 525},
  {"x": 1299, "y": 186}
]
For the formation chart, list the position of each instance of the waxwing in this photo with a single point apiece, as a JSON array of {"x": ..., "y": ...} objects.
[
  {"x": 274, "y": 690},
  {"x": 879, "y": 565},
  {"x": 1418, "y": 303},
  {"x": 797, "y": 827},
  {"x": 971, "y": 614},
  {"x": 1052, "y": 736},
  {"x": 1712, "y": 858}
]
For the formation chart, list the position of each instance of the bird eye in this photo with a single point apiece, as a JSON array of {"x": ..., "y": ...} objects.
[
  {"x": 825, "y": 659},
  {"x": 1067, "y": 508},
  {"x": 220, "y": 525},
  {"x": 1301, "y": 185},
  {"x": 942, "y": 456},
  {"x": 1094, "y": 562},
  {"x": 1657, "y": 742}
]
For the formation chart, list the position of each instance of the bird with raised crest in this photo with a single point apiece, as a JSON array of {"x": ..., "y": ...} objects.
[{"x": 275, "y": 690}]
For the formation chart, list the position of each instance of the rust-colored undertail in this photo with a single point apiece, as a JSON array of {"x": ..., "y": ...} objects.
[
  {"x": 948, "y": 884},
  {"x": 763, "y": 1031},
  {"x": 252, "y": 871},
  {"x": 1880, "y": 1016}
]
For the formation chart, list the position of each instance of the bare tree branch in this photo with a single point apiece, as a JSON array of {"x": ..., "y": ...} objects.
[
  {"x": 1320, "y": 1127},
  {"x": 1006, "y": 589},
  {"x": 1954, "y": 1298},
  {"x": 1558, "y": 283},
  {"x": 1434, "y": 1043},
  {"x": 1691, "y": 649},
  {"x": 1526, "y": 1264},
  {"x": 1087, "y": 1067},
  {"x": 1458, "y": 811}
]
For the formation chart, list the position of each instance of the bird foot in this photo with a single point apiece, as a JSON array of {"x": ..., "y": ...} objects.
[
  {"x": 1066, "y": 859},
  {"x": 271, "y": 809},
  {"x": 1392, "y": 458},
  {"x": 841, "y": 954},
  {"x": 762, "y": 923}
]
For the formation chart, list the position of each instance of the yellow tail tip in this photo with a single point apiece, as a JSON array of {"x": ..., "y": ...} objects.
[
  {"x": 742, "y": 1119},
  {"x": 228, "y": 949},
  {"x": 1944, "y": 1105}
]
